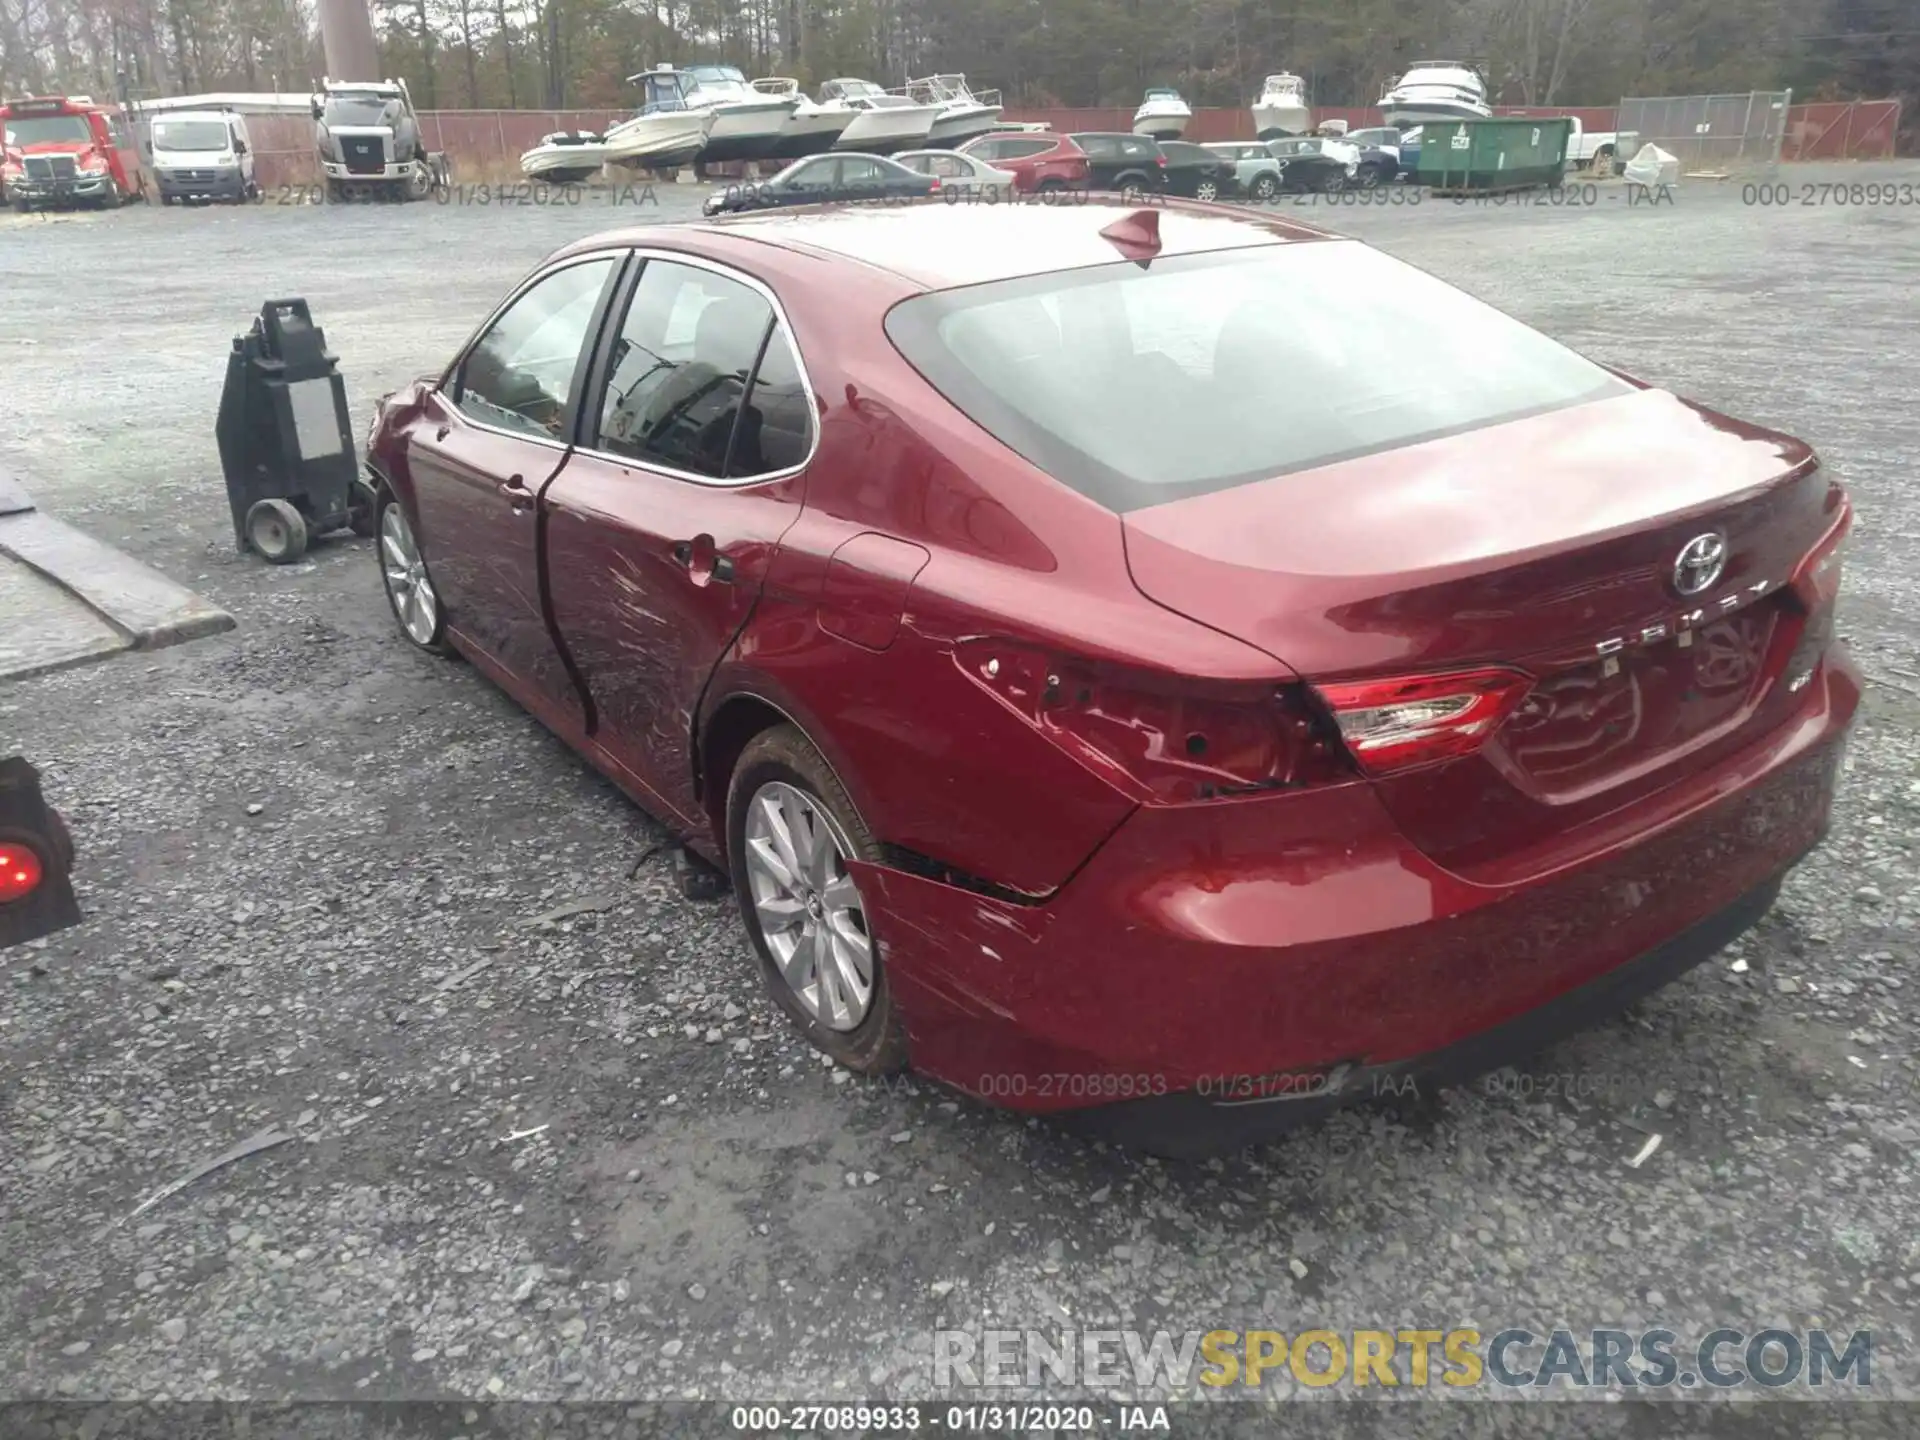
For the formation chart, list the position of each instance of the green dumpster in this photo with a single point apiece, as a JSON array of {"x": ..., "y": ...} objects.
[{"x": 1478, "y": 157}]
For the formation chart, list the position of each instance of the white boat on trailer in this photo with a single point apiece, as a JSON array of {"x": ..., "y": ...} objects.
[
  {"x": 1163, "y": 115},
  {"x": 882, "y": 123},
  {"x": 1282, "y": 108},
  {"x": 811, "y": 128},
  {"x": 565, "y": 157},
  {"x": 665, "y": 132},
  {"x": 1436, "y": 90},
  {"x": 746, "y": 122},
  {"x": 963, "y": 115}
]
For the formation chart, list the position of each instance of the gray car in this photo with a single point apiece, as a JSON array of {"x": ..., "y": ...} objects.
[{"x": 1254, "y": 167}]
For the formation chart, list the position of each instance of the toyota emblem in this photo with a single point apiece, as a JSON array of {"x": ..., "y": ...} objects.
[{"x": 1700, "y": 563}]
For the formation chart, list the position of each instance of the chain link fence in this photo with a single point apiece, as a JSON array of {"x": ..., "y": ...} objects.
[{"x": 1711, "y": 134}]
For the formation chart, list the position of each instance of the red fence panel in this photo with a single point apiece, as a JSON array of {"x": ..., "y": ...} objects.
[{"x": 1841, "y": 130}]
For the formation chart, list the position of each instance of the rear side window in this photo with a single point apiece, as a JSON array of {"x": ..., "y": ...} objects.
[
  {"x": 1203, "y": 372},
  {"x": 704, "y": 380},
  {"x": 1020, "y": 149},
  {"x": 1141, "y": 149},
  {"x": 688, "y": 343}
]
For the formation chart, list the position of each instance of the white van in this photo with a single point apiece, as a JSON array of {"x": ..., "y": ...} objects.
[{"x": 202, "y": 155}]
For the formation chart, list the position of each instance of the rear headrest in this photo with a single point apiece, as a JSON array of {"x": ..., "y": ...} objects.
[{"x": 729, "y": 333}]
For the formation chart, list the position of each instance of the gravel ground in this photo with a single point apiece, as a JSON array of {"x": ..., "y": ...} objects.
[{"x": 580, "y": 1157}]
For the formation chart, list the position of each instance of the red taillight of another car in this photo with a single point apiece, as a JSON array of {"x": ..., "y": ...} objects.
[
  {"x": 1406, "y": 721},
  {"x": 1166, "y": 739},
  {"x": 21, "y": 871}
]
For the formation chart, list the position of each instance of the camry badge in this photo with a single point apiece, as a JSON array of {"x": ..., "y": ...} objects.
[{"x": 1699, "y": 563}]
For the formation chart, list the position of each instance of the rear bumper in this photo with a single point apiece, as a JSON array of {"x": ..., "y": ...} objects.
[
  {"x": 1237, "y": 947},
  {"x": 1242, "y": 1110}
]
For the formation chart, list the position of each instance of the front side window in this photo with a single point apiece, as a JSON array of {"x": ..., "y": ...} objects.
[
  {"x": 520, "y": 373},
  {"x": 682, "y": 391},
  {"x": 1252, "y": 363}
]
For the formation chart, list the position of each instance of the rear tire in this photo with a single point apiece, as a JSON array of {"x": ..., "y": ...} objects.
[
  {"x": 1369, "y": 177},
  {"x": 782, "y": 785},
  {"x": 1206, "y": 190},
  {"x": 1265, "y": 188}
]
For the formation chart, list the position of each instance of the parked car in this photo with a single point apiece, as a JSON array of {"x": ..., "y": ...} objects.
[
  {"x": 1383, "y": 137},
  {"x": 1197, "y": 173},
  {"x": 1439, "y": 713},
  {"x": 1124, "y": 162},
  {"x": 1314, "y": 163},
  {"x": 960, "y": 174},
  {"x": 1040, "y": 163},
  {"x": 824, "y": 179},
  {"x": 1376, "y": 165},
  {"x": 36, "y": 859},
  {"x": 1256, "y": 173}
]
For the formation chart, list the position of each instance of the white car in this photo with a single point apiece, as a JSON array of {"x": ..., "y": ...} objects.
[{"x": 966, "y": 174}]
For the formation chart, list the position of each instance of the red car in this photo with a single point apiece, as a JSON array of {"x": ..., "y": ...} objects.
[
  {"x": 1111, "y": 687},
  {"x": 1041, "y": 163}
]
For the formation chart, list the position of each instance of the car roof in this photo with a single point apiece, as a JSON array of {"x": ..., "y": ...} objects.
[{"x": 937, "y": 246}]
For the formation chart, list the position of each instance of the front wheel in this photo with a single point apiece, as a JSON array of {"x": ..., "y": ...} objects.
[
  {"x": 1335, "y": 185},
  {"x": 410, "y": 593},
  {"x": 1265, "y": 188},
  {"x": 1206, "y": 190},
  {"x": 791, "y": 830},
  {"x": 1369, "y": 178}
]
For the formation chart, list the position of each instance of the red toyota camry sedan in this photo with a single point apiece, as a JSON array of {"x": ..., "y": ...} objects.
[{"x": 1176, "y": 666}]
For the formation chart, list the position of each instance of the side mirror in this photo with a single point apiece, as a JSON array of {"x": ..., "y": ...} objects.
[
  {"x": 239, "y": 146},
  {"x": 316, "y": 108}
]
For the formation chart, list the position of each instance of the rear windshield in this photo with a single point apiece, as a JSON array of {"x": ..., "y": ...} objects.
[{"x": 1203, "y": 372}]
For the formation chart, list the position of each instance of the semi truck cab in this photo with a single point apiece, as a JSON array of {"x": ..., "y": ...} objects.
[{"x": 61, "y": 150}]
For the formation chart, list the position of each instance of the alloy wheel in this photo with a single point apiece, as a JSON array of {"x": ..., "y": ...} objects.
[
  {"x": 414, "y": 603},
  {"x": 1206, "y": 190},
  {"x": 807, "y": 906}
]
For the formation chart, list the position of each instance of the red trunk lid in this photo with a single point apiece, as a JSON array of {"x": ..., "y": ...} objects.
[{"x": 1536, "y": 544}]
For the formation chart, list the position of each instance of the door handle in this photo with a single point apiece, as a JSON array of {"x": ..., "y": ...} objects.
[
  {"x": 514, "y": 488},
  {"x": 443, "y": 432},
  {"x": 702, "y": 564}
]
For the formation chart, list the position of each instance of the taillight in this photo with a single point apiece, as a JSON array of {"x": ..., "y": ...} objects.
[
  {"x": 1161, "y": 161},
  {"x": 1165, "y": 738},
  {"x": 1817, "y": 581},
  {"x": 934, "y": 188},
  {"x": 1411, "y": 720},
  {"x": 20, "y": 871},
  {"x": 1816, "y": 585}
]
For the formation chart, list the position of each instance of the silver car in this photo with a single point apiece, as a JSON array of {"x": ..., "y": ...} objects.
[
  {"x": 1253, "y": 166},
  {"x": 966, "y": 174}
]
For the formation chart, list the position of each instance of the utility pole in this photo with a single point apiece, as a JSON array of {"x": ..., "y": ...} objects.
[{"x": 346, "y": 35}]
